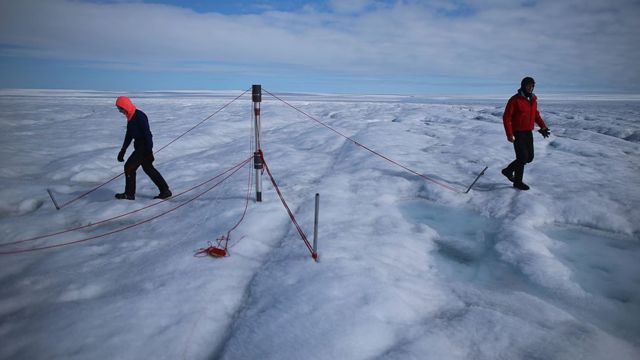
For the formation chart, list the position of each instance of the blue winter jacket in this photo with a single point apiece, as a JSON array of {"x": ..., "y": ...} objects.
[{"x": 138, "y": 130}]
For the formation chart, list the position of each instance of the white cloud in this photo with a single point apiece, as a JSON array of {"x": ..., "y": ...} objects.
[{"x": 566, "y": 42}]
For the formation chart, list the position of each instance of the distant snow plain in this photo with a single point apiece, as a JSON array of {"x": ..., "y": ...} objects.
[{"x": 408, "y": 269}]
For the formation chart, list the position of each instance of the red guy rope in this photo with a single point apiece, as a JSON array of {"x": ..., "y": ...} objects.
[
  {"x": 293, "y": 218},
  {"x": 124, "y": 214},
  {"x": 366, "y": 147},
  {"x": 126, "y": 227}
]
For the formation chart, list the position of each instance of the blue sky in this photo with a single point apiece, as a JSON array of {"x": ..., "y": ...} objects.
[
  {"x": 359, "y": 46},
  {"x": 243, "y": 6}
]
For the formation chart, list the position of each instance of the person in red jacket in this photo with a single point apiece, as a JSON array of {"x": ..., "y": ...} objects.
[
  {"x": 138, "y": 131},
  {"x": 519, "y": 117}
]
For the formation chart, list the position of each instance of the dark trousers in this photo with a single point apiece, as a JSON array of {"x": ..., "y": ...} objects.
[
  {"x": 523, "y": 145},
  {"x": 131, "y": 166}
]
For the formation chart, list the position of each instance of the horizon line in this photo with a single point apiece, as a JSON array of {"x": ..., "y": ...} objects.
[{"x": 586, "y": 95}]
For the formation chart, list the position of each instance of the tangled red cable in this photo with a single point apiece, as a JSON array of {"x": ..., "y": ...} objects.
[{"x": 221, "y": 250}]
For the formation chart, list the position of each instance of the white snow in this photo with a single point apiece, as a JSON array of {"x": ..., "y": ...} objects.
[{"x": 408, "y": 269}]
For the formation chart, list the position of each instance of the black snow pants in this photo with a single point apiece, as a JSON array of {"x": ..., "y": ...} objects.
[
  {"x": 131, "y": 166},
  {"x": 523, "y": 145}
]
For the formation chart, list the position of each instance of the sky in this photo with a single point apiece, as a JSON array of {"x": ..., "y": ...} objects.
[{"x": 355, "y": 46}]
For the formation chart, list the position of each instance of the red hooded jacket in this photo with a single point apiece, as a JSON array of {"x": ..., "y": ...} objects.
[
  {"x": 137, "y": 127},
  {"x": 125, "y": 103},
  {"x": 521, "y": 114}
]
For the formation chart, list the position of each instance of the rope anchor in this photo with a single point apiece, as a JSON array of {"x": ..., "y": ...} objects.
[
  {"x": 55, "y": 203},
  {"x": 477, "y": 177}
]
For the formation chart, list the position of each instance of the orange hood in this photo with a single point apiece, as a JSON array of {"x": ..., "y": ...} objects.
[{"x": 125, "y": 103}]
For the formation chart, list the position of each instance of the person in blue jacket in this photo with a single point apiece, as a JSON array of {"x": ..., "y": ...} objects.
[{"x": 138, "y": 131}]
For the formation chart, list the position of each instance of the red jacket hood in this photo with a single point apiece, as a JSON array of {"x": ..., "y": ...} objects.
[{"x": 125, "y": 103}]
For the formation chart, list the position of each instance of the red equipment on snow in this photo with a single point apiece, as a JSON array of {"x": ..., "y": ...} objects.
[{"x": 215, "y": 251}]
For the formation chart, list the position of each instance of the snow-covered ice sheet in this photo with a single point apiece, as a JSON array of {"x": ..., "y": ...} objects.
[{"x": 408, "y": 269}]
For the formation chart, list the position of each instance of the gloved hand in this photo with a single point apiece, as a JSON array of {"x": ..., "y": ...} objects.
[
  {"x": 121, "y": 155},
  {"x": 545, "y": 132}
]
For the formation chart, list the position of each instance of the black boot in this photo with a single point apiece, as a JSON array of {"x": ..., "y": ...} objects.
[
  {"x": 164, "y": 194},
  {"x": 520, "y": 185},
  {"x": 124, "y": 196},
  {"x": 508, "y": 173}
]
